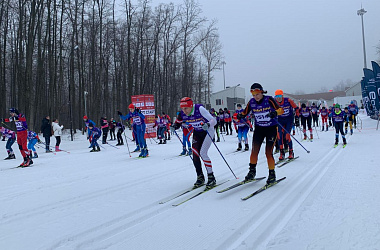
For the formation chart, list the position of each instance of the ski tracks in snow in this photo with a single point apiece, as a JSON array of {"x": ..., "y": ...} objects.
[{"x": 262, "y": 226}]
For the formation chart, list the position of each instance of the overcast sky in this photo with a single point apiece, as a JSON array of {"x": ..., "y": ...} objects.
[{"x": 292, "y": 44}]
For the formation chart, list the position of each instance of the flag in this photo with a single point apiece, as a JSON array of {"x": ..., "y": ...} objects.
[{"x": 373, "y": 98}]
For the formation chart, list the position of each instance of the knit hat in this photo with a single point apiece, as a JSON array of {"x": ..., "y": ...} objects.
[
  {"x": 337, "y": 106},
  {"x": 131, "y": 106},
  {"x": 186, "y": 102},
  {"x": 85, "y": 117}
]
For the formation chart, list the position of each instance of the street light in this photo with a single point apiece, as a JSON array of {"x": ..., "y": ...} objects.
[
  {"x": 224, "y": 76},
  {"x": 235, "y": 95},
  {"x": 85, "y": 102},
  {"x": 361, "y": 13}
]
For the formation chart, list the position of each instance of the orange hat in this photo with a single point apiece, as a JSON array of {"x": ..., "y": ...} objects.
[
  {"x": 131, "y": 106},
  {"x": 278, "y": 93},
  {"x": 186, "y": 102}
]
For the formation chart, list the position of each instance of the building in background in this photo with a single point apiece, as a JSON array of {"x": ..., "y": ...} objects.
[{"x": 228, "y": 98}]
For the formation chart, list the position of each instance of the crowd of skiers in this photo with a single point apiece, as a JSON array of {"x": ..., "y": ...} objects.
[{"x": 271, "y": 118}]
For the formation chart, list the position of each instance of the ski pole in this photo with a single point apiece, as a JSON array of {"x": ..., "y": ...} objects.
[
  {"x": 316, "y": 130},
  {"x": 221, "y": 155},
  {"x": 291, "y": 136},
  {"x": 175, "y": 132},
  {"x": 125, "y": 137},
  {"x": 112, "y": 145}
]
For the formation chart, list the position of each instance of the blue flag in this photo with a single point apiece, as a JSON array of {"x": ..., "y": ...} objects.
[{"x": 369, "y": 79}]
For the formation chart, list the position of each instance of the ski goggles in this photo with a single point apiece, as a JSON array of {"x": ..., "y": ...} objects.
[
  {"x": 278, "y": 96},
  {"x": 256, "y": 91}
]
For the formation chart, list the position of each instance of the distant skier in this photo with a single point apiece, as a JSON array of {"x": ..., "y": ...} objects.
[
  {"x": 105, "y": 127},
  {"x": 265, "y": 109},
  {"x": 315, "y": 114},
  {"x": 120, "y": 129},
  {"x": 95, "y": 134},
  {"x": 241, "y": 126},
  {"x": 354, "y": 111},
  {"x": 33, "y": 139},
  {"x": 112, "y": 126},
  {"x": 87, "y": 122},
  {"x": 305, "y": 114},
  {"x": 203, "y": 123},
  {"x": 324, "y": 115},
  {"x": 227, "y": 120},
  {"x": 11, "y": 135},
  {"x": 138, "y": 126},
  {"x": 338, "y": 118},
  {"x": 348, "y": 120}
]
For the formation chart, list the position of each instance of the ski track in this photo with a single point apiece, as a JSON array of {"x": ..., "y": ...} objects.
[
  {"x": 260, "y": 231},
  {"x": 116, "y": 228}
]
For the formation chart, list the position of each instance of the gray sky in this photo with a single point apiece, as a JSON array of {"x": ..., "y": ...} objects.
[{"x": 292, "y": 44}]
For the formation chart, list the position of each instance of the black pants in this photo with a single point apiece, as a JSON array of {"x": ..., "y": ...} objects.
[
  {"x": 304, "y": 121},
  {"x": 58, "y": 141},
  {"x": 47, "y": 142},
  {"x": 315, "y": 120},
  {"x": 105, "y": 133},
  {"x": 119, "y": 138},
  {"x": 112, "y": 134},
  {"x": 261, "y": 133}
]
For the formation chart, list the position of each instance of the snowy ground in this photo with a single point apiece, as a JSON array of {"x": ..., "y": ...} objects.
[{"x": 108, "y": 200}]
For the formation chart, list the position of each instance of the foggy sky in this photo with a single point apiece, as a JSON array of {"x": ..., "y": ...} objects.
[{"x": 292, "y": 45}]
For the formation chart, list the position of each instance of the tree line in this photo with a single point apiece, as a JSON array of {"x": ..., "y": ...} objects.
[{"x": 55, "y": 54}]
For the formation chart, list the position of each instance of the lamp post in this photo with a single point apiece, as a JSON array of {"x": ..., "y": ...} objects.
[
  {"x": 235, "y": 95},
  {"x": 224, "y": 76},
  {"x": 85, "y": 102},
  {"x": 361, "y": 13}
]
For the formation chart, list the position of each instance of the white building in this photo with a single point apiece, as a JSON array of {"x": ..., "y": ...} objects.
[{"x": 228, "y": 98}]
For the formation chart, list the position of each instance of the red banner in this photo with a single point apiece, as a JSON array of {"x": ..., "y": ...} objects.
[{"x": 146, "y": 104}]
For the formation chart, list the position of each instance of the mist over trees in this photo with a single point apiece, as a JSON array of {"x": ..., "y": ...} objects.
[{"x": 52, "y": 52}]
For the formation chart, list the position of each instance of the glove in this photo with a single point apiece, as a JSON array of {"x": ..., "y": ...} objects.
[
  {"x": 175, "y": 126},
  {"x": 236, "y": 131},
  {"x": 119, "y": 113},
  {"x": 205, "y": 126},
  {"x": 251, "y": 129},
  {"x": 239, "y": 116},
  {"x": 272, "y": 114},
  {"x": 137, "y": 110},
  {"x": 39, "y": 141}
]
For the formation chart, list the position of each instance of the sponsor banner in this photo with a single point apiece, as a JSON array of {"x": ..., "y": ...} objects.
[{"x": 146, "y": 104}]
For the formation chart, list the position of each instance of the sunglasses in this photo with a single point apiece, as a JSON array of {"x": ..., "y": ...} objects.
[
  {"x": 278, "y": 96},
  {"x": 256, "y": 91}
]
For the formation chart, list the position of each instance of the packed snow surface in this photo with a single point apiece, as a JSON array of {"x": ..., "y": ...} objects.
[{"x": 109, "y": 200}]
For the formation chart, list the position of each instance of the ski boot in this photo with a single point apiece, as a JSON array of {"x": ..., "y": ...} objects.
[
  {"x": 211, "y": 182},
  {"x": 164, "y": 142},
  {"x": 239, "y": 147},
  {"x": 57, "y": 149},
  {"x": 276, "y": 151},
  {"x": 184, "y": 151},
  {"x": 190, "y": 152},
  {"x": 246, "y": 147},
  {"x": 218, "y": 139},
  {"x": 345, "y": 131},
  {"x": 294, "y": 132},
  {"x": 351, "y": 131},
  {"x": 137, "y": 149},
  {"x": 336, "y": 141},
  {"x": 291, "y": 154},
  {"x": 323, "y": 128},
  {"x": 142, "y": 154},
  {"x": 160, "y": 142},
  {"x": 282, "y": 155},
  {"x": 271, "y": 177},
  {"x": 35, "y": 155},
  {"x": 251, "y": 173},
  {"x": 97, "y": 148},
  {"x": 10, "y": 156},
  {"x": 93, "y": 149},
  {"x": 344, "y": 141},
  {"x": 200, "y": 181},
  {"x": 304, "y": 136},
  {"x": 311, "y": 137}
]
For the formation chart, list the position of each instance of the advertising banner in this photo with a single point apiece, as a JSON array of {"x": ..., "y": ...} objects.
[{"x": 146, "y": 104}]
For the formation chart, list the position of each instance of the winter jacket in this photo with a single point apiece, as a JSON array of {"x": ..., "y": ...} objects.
[
  {"x": 46, "y": 128},
  {"x": 57, "y": 129}
]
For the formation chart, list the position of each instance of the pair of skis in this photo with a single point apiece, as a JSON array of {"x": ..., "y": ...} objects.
[
  {"x": 266, "y": 186},
  {"x": 336, "y": 145},
  {"x": 282, "y": 163}
]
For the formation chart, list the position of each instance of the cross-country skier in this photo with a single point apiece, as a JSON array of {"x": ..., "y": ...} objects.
[
  {"x": 338, "y": 118},
  {"x": 305, "y": 114},
  {"x": 203, "y": 123},
  {"x": 161, "y": 128},
  {"x": 120, "y": 129},
  {"x": 11, "y": 135},
  {"x": 105, "y": 127},
  {"x": 221, "y": 121},
  {"x": 315, "y": 113},
  {"x": 324, "y": 115},
  {"x": 87, "y": 122},
  {"x": 286, "y": 120},
  {"x": 227, "y": 120},
  {"x": 33, "y": 139},
  {"x": 354, "y": 111},
  {"x": 95, "y": 134},
  {"x": 46, "y": 132},
  {"x": 22, "y": 135},
  {"x": 241, "y": 126},
  {"x": 138, "y": 125},
  {"x": 265, "y": 109},
  {"x": 216, "y": 116},
  {"x": 112, "y": 125},
  {"x": 348, "y": 120}
]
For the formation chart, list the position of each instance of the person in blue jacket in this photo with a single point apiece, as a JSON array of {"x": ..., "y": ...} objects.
[
  {"x": 95, "y": 134},
  {"x": 138, "y": 126}
]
